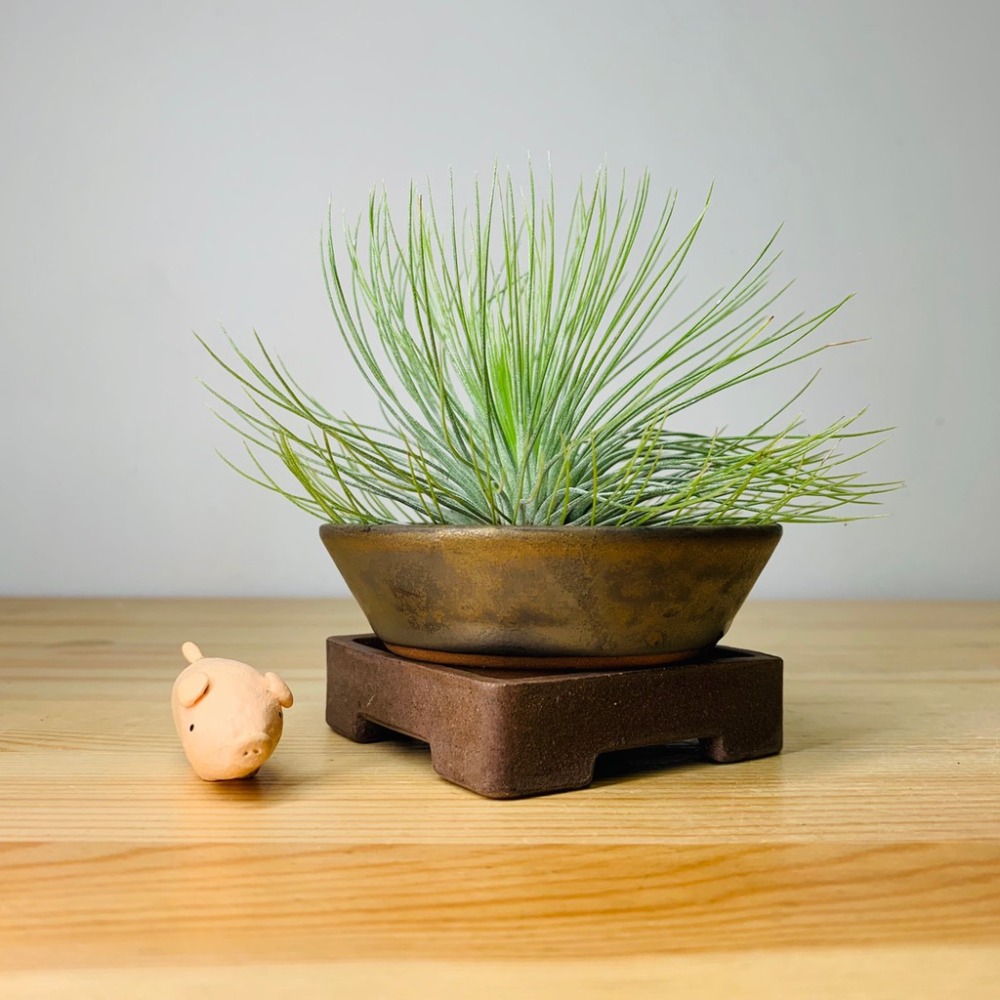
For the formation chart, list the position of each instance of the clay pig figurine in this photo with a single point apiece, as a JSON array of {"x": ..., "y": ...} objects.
[{"x": 227, "y": 715}]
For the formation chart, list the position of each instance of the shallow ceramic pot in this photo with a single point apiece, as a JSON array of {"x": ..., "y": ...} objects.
[{"x": 550, "y": 598}]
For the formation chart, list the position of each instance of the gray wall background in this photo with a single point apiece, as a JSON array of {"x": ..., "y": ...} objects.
[{"x": 167, "y": 168}]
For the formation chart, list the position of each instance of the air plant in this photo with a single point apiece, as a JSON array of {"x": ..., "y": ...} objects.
[{"x": 527, "y": 377}]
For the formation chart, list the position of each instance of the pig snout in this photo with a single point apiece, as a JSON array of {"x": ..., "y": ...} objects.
[{"x": 257, "y": 745}]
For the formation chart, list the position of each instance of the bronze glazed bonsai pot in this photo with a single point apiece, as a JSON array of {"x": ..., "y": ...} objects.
[{"x": 550, "y": 598}]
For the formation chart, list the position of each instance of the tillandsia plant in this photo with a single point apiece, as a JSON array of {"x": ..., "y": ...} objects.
[{"x": 531, "y": 377}]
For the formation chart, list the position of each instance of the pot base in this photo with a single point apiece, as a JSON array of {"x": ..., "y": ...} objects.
[
  {"x": 506, "y": 733},
  {"x": 550, "y": 663}
]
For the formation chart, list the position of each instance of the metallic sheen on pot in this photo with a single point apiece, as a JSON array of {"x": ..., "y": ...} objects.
[{"x": 549, "y": 597}]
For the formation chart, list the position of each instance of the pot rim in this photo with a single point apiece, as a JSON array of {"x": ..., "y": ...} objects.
[{"x": 773, "y": 530}]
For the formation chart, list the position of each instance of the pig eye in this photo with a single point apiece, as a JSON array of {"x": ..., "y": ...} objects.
[{"x": 191, "y": 728}]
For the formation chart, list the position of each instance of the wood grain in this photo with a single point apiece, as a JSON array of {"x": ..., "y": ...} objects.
[{"x": 863, "y": 861}]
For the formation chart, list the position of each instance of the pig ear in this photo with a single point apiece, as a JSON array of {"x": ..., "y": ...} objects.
[
  {"x": 191, "y": 687},
  {"x": 191, "y": 652},
  {"x": 279, "y": 689}
]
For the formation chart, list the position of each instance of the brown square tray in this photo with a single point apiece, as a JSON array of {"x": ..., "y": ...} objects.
[{"x": 506, "y": 734}]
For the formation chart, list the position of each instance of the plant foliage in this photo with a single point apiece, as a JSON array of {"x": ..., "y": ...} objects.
[{"x": 531, "y": 377}]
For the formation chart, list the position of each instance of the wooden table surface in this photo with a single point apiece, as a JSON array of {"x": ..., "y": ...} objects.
[{"x": 862, "y": 862}]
